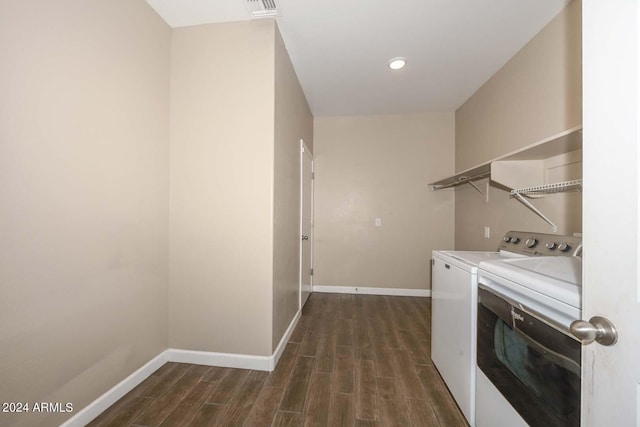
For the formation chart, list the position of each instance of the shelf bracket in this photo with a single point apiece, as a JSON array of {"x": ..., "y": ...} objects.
[
  {"x": 471, "y": 183},
  {"x": 534, "y": 209},
  {"x": 461, "y": 179}
]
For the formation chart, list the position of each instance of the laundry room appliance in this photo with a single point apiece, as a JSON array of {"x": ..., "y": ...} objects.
[
  {"x": 453, "y": 319},
  {"x": 528, "y": 360}
]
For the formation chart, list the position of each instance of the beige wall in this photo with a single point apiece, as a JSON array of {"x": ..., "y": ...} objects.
[
  {"x": 221, "y": 208},
  {"x": 235, "y": 188},
  {"x": 84, "y": 135},
  {"x": 537, "y": 94},
  {"x": 379, "y": 167},
  {"x": 88, "y": 284},
  {"x": 293, "y": 121}
]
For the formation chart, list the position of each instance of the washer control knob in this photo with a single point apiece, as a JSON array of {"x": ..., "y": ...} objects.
[
  {"x": 531, "y": 242},
  {"x": 506, "y": 239},
  {"x": 564, "y": 247},
  {"x": 515, "y": 239},
  {"x": 551, "y": 245}
]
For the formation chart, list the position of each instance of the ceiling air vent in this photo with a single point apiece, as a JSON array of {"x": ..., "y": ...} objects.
[{"x": 262, "y": 8}]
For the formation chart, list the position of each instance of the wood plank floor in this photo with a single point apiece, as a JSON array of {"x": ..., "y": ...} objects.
[{"x": 353, "y": 360}]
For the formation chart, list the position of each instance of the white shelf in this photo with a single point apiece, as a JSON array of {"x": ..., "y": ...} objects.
[
  {"x": 524, "y": 167},
  {"x": 557, "y": 187},
  {"x": 522, "y": 159}
]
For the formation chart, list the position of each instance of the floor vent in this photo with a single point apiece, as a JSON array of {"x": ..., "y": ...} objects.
[{"x": 263, "y": 8}]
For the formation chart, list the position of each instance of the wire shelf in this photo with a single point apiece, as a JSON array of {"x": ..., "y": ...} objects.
[{"x": 557, "y": 187}]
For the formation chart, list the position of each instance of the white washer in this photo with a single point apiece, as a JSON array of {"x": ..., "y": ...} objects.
[{"x": 454, "y": 303}]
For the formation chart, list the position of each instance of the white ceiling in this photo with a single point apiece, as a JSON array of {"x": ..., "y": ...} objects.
[{"x": 340, "y": 48}]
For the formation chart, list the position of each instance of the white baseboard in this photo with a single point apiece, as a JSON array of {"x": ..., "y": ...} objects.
[
  {"x": 372, "y": 291},
  {"x": 98, "y": 406},
  {"x": 231, "y": 360},
  {"x": 226, "y": 360},
  {"x": 283, "y": 342}
]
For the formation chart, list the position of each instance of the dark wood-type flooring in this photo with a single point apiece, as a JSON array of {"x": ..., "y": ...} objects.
[{"x": 353, "y": 360}]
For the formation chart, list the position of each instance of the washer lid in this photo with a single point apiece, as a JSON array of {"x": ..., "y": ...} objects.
[
  {"x": 473, "y": 258},
  {"x": 558, "y": 277},
  {"x": 467, "y": 260}
]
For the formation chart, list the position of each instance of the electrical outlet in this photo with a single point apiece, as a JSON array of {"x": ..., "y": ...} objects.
[
  {"x": 487, "y": 232},
  {"x": 378, "y": 222}
]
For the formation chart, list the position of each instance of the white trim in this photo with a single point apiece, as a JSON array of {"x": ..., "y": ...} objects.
[
  {"x": 312, "y": 232},
  {"x": 226, "y": 360},
  {"x": 98, "y": 406},
  {"x": 372, "y": 291},
  {"x": 304, "y": 151},
  {"x": 283, "y": 342},
  {"x": 231, "y": 360}
]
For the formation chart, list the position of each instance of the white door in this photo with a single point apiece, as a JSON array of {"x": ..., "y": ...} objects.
[
  {"x": 611, "y": 375},
  {"x": 306, "y": 223}
]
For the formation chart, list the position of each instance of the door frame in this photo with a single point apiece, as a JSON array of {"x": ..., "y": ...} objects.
[{"x": 304, "y": 151}]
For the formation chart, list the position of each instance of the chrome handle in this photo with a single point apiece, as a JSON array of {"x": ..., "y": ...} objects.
[
  {"x": 596, "y": 329},
  {"x": 305, "y": 237}
]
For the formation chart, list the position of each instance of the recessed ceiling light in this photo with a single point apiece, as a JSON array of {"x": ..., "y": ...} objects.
[{"x": 397, "y": 63}]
